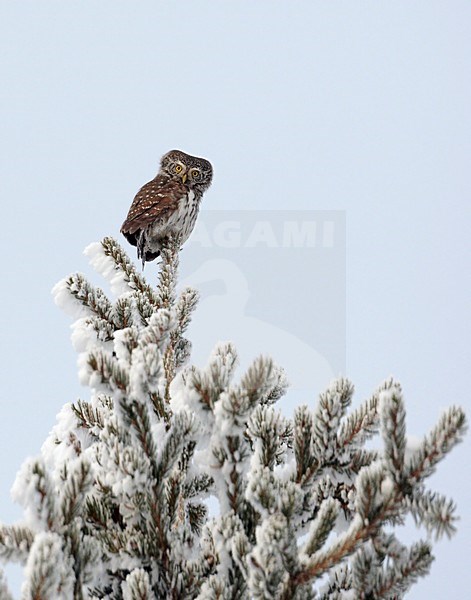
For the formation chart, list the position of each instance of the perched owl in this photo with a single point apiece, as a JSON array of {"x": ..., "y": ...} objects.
[{"x": 168, "y": 204}]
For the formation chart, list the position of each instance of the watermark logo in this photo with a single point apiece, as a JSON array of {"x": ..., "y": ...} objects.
[
  {"x": 273, "y": 282},
  {"x": 265, "y": 234}
]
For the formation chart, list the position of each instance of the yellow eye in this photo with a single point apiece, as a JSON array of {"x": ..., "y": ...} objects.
[
  {"x": 195, "y": 174},
  {"x": 178, "y": 168}
]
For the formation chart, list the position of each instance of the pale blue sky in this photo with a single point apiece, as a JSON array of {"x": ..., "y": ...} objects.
[{"x": 356, "y": 106}]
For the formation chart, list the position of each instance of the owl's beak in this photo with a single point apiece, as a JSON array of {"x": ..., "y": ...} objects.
[{"x": 184, "y": 176}]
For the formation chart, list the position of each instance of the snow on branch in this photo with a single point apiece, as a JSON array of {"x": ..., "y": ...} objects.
[
  {"x": 448, "y": 432},
  {"x": 15, "y": 542},
  {"x": 4, "y": 591}
]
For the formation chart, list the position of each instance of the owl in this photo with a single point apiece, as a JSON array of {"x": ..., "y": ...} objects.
[{"x": 168, "y": 204}]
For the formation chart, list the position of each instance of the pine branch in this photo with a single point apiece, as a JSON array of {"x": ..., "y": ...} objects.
[
  {"x": 15, "y": 542},
  {"x": 124, "y": 314},
  {"x": 448, "y": 432},
  {"x": 166, "y": 295},
  {"x": 402, "y": 574},
  {"x": 49, "y": 568},
  {"x": 232, "y": 412},
  {"x": 274, "y": 560},
  {"x": 433, "y": 510},
  {"x": 90, "y": 417},
  {"x": 324, "y": 489},
  {"x": 393, "y": 425},
  {"x": 229, "y": 456},
  {"x": 329, "y": 411},
  {"x": 135, "y": 281},
  {"x": 196, "y": 516},
  {"x": 222, "y": 365},
  {"x": 98, "y": 512},
  {"x": 78, "y": 482},
  {"x": 340, "y": 581},
  {"x": 182, "y": 352},
  {"x": 4, "y": 591},
  {"x": 183, "y": 426},
  {"x": 146, "y": 372},
  {"x": 104, "y": 330},
  {"x": 185, "y": 307},
  {"x": 345, "y": 545},
  {"x": 306, "y": 462},
  {"x": 137, "y": 418},
  {"x": 387, "y": 546},
  {"x": 377, "y": 500},
  {"x": 94, "y": 299},
  {"x": 201, "y": 384},
  {"x": 270, "y": 435},
  {"x": 137, "y": 586},
  {"x": 161, "y": 325},
  {"x": 278, "y": 387},
  {"x": 321, "y": 526},
  {"x": 199, "y": 485},
  {"x": 34, "y": 484},
  {"x": 168, "y": 272},
  {"x": 261, "y": 379},
  {"x": 170, "y": 368},
  {"x": 144, "y": 306},
  {"x": 269, "y": 494},
  {"x": 359, "y": 425},
  {"x": 160, "y": 407},
  {"x": 352, "y": 462},
  {"x": 106, "y": 371},
  {"x": 209, "y": 384}
]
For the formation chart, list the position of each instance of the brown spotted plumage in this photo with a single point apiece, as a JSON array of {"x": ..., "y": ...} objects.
[{"x": 168, "y": 204}]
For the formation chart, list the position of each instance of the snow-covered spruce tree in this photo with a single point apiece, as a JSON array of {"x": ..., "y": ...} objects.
[{"x": 115, "y": 506}]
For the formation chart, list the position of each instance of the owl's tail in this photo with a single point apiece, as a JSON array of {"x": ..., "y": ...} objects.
[{"x": 142, "y": 253}]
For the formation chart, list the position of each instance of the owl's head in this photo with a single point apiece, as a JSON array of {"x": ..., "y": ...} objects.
[{"x": 195, "y": 172}]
